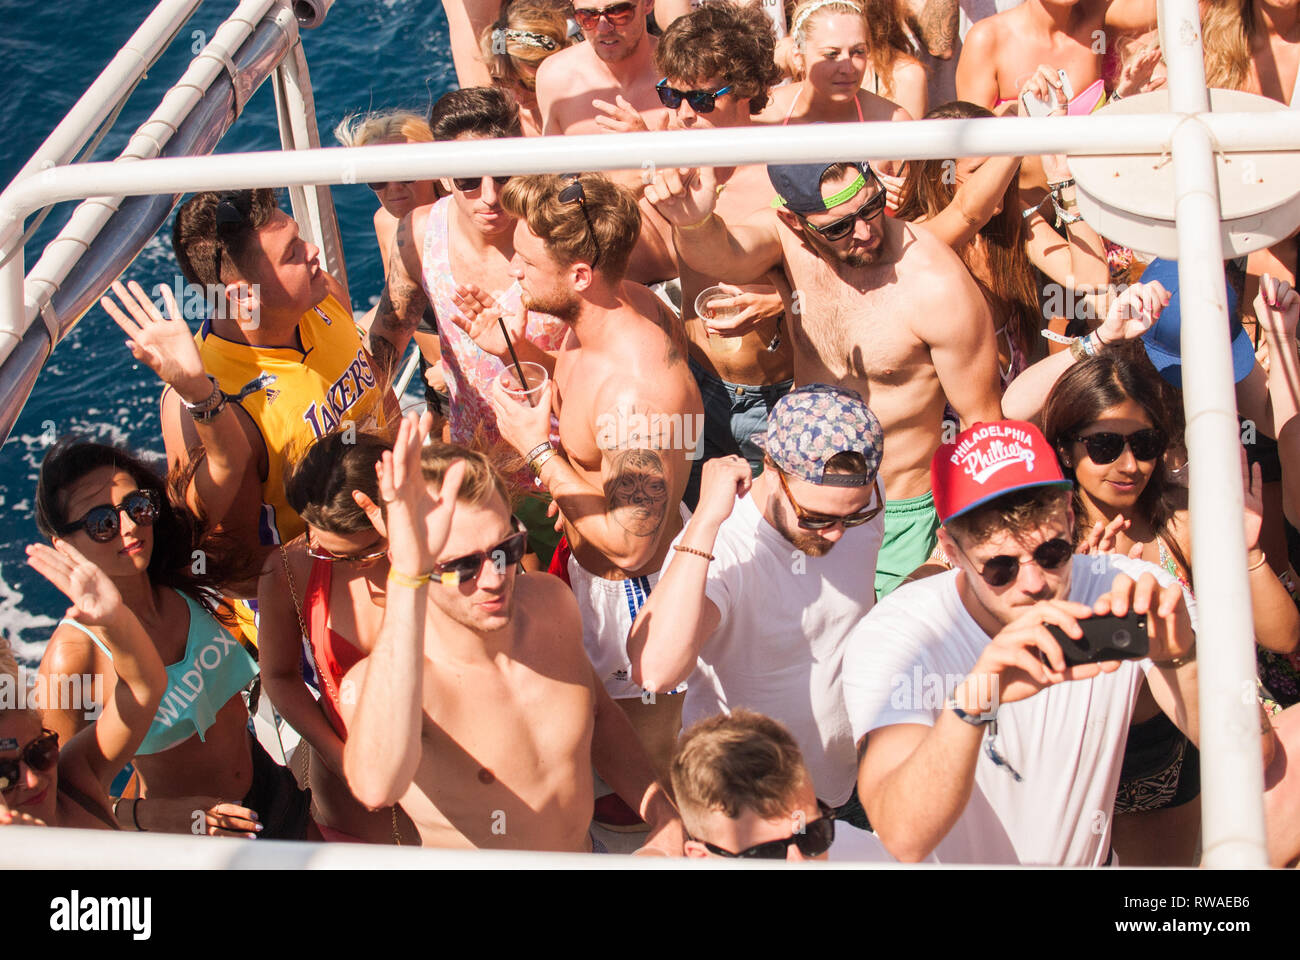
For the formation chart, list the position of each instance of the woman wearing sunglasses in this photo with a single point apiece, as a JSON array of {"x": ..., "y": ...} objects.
[
  {"x": 129, "y": 540},
  {"x": 396, "y": 200},
  {"x": 325, "y": 592},
  {"x": 1111, "y": 418}
]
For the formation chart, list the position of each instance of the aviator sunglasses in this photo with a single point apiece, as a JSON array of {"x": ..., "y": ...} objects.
[
  {"x": 1104, "y": 448},
  {"x": 320, "y": 553},
  {"x": 701, "y": 101},
  {"x": 618, "y": 15},
  {"x": 841, "y": 228},
  {"x": 504, "y": 555},
  {"x": 1000, "y": 570},
  {"x": 101, "y": 523},
  {"x": 815, "y": 840},
  {"x": 470, "y": 184},
  {"x": 820, "y": 521},
  {"x": 40, "y": 755}
]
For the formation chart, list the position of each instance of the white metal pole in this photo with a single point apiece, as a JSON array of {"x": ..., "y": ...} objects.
[
  {"x": 1232, "y": 780},
  {"x": 313, "y": 207},
  {"x": 135, "y": 57},
  {"x": 62, "y": 253},
  {"x": 922, "y": 139}
]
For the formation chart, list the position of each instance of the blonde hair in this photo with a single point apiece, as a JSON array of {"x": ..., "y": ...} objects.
[
  {"x": 481, "y": 479},
  {"x": 737, "y": 762},
  {"x": 1226, "y": 30},
  {"x": 615, "y": 219},
  {"x": 9, "y": 668},
  {"x": 527, "y": 30},
  {"x": 804, "y": 13},
  {"x": 386, "y": 126}
]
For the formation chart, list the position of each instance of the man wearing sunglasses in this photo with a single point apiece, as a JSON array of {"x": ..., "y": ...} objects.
[
  {"x": 880, "y": 307},
  {"x": 745, "y": 794},
  {"x": 752, "y": 595},
  {"x": 478, "y": 709},
  {"x": 606, "y": 85},
  {"x": 1019, "y": 763},
  {"x": 718, "y": 66}
]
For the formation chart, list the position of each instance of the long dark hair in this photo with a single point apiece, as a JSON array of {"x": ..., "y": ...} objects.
[
  {"x": 1011, "y": 289},
  {"x": 1120, "y": 372},
  {"x": 177, "y": 533}
]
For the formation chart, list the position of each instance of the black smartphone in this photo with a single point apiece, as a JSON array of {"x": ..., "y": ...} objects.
[{"x": 1104, "y": 638}]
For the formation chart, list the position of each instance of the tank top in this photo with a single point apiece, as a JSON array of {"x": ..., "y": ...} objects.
[
  {"x": 213, "y": 669},
  {"x": 296, "y": 395},
  {"x": 468, "y": 368}
]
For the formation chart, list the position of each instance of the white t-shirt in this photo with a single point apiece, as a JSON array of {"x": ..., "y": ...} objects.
[
  {"x": 1067, "y": 742},
  {"x": 785, "y": 620},
  {"x": 854, "y": 845}
]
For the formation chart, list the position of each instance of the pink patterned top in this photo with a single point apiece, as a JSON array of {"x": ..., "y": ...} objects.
[{"x": 469, "y": 369}]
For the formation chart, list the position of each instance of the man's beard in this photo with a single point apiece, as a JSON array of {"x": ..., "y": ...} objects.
[
  {"x": 825, "y": 251},
  {"x": 806, "y": 542},
  {"x": 558, "y": 305}
]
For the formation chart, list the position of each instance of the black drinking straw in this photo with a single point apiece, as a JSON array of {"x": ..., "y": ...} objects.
[{"x": 515, "y": 357}]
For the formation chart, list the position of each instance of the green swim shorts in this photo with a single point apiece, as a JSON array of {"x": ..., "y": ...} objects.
[{"x": 910, "y": 527}]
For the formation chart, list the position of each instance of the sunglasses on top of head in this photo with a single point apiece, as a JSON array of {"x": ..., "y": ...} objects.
[
  {"x": 841, "y": 228},
  {"x": 1104, "y": 448},
  {"x": 814, "y": 840},
  {"x": 503, "y": 556},
  {"x": 618, "y": 15},
  {"x": 701, "y": 101},
  {"x": 472, "y": 184},
  {"x": 1003, "y": 569},
  {"x": 101, "y": 522},
  {"x": 40, "y": 755}
]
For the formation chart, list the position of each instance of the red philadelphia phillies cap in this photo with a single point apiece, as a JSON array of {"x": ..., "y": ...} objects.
[{"x": 989, "y": 460}]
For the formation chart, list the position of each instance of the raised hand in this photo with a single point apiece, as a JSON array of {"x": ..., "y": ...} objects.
[
  {"x": 95, "y": 600},
  {"x": 1010, "y": 668},
  {"x": 1278, "y": 308},
  {"x": 418, "y": 521},
  {"x": 1137, "y": 75},
  {"x": 722, "y": 481},
  {"x": 1133, "y": 312},
  {"x": 479, "y": 316},
  {"x": 683, "y": 196},
  {"x": 619, "y": 116},
  {"x": 1169, "y": 626},
  {"x": 1101, "y": 538},
  {"x": 164, "y": 344},
  {"x": 1252, "y": 490}
]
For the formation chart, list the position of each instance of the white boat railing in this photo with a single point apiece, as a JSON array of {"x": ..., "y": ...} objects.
[{"x": 1232, "y": 781}]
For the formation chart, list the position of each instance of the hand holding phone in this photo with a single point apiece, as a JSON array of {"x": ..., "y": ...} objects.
[{"x": 1106, "y": 637}]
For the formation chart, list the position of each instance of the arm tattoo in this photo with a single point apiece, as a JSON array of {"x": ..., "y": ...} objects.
[
  {"x": 937, "y": 22},
  {"x": 400, "y": 308},
  {"x": 637, "y": 492},
  {"x": 675, "y": 330}
]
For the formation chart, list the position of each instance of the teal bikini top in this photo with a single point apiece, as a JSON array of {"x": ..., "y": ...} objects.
[{"x": 213, "y": 669}]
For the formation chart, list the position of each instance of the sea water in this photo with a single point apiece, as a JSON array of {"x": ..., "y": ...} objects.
[{"x": 369, "y": 54}]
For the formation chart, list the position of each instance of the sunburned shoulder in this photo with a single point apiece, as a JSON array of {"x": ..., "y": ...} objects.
[{"x": 563, "y": 67}]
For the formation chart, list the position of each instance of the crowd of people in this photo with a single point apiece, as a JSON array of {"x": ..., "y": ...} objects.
[{"x": 770, "y": 512}]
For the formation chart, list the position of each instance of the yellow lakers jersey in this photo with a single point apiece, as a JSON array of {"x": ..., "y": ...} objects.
[{"x": 297, "y": 395}]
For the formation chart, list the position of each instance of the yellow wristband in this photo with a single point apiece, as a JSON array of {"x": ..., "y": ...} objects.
[
  {"x": 694, "y": 226},
  {"x": 406, "y": 580}
]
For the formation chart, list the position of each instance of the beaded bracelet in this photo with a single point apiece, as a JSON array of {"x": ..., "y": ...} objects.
[{"x": 692, "y": 550}]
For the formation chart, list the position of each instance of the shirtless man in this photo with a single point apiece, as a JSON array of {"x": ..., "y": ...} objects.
[
  {"x": 721, "y": 46},
  {"x": 629, "y": 417},
  {"x": 461, "y": 629},
  {"x": 606, "y": 85},
  {"x": 881, "y": 308}
]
